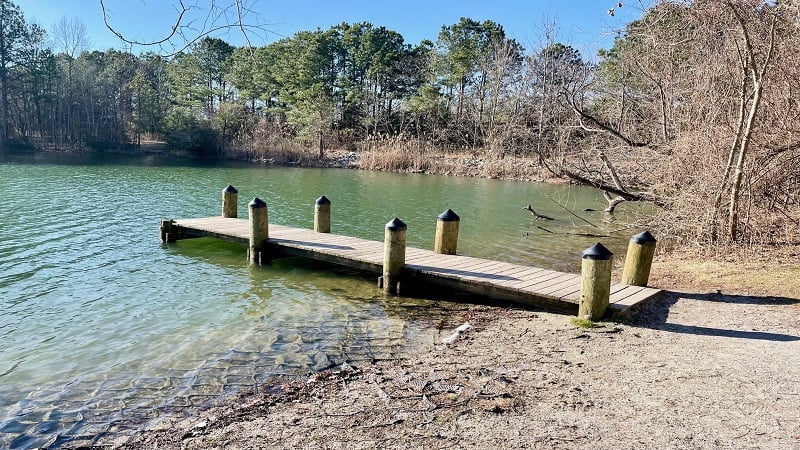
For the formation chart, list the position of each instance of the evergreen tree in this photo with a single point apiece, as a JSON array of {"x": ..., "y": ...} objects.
[{"x": 14, "y": 36}]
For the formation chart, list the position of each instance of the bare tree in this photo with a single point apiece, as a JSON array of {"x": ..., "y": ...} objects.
[
  {"x": 755, "y": 67},
  {"x": 493, "y": 118},
  {"x": 69, "y": 36}
]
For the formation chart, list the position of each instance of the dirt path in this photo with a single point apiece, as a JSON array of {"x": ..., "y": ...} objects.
[{"x": 689, "y": 370}]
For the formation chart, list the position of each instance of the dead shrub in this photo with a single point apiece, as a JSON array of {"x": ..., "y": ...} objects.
[{"x": 395, "y": 154}]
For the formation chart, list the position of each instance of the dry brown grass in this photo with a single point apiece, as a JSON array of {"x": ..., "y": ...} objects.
[
  {"x": 396, "y": 155},
  {"x": 763, "y": 270},
  {"x": 399, "y": 155},
  {"x": 275, "y": 151}
]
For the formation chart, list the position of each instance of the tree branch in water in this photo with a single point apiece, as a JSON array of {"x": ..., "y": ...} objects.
[{"x": 537, "y": 215}]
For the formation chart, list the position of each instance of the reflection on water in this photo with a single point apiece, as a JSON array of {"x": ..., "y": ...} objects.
[{"x": 103, "y": 328}]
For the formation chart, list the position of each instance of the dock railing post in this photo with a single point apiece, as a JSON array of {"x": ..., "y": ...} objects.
[
  {"x": 165, "y": 230},
  {"x": 394, "y": 255},
  {"x": 639, "y": 259},
  {"x": 259, "y": 229},
  {"x": 230, "y": 199},
  {"x": 595, "y": 282},
  {"x": 446, "y": 241},
  {"x": 322, "y": 215}
]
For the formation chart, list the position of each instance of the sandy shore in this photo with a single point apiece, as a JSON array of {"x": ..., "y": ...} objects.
[{"x": 712, "y": 363}]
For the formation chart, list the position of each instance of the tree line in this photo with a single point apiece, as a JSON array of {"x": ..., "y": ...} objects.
[
  {"x": 325, "y": 88},
  {"x": 693, "y": 108}
]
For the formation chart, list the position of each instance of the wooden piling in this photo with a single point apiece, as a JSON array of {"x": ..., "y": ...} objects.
[
  {"x": 230, "y": 199},
  {"x": 259, "y": 229},
  {"x": 165, "y": 230},
  {"x": 446, "y": 240},
  {"x": 595, "y": 282},
  {"x": 639, "y": 259},
  {"x": 322, "y": 215},
  {"x": 394, "y": 255}
]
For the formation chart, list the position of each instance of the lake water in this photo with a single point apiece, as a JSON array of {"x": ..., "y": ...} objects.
[{"x": 103, "y": 328}]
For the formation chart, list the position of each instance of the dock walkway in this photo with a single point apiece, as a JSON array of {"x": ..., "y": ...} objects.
[{"x": 525, "y": 284}]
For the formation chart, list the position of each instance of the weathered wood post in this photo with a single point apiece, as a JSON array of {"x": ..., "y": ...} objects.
[
  {"x": 446, "y": 240},
  {"x": 165, "y": 230},
  {"x": 639, "y": 259},
  {"x": 394, "y": 255},
  {"x": 595, "y": 282},
  {"x": 259, "y": 229},
  {"x": 230, "y": 199},
  {"x": 322, "y": 215}
]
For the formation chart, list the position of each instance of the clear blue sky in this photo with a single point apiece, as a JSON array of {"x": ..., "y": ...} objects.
[{"x": 585, "y": 24}]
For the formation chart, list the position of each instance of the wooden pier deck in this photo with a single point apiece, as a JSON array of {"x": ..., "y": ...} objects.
[{"x": 497, "y": 279}]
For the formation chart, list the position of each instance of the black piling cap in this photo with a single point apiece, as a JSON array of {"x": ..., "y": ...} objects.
[
  {"x": 644, "y": 238},
  {"x": 230, "y": 190},
  {"x": 323, "y": 201},
  {"x": 449, "y": 216},
  {"x": 396, "y": 225},
  {"x": 597, "y": 252},
  {"x": 257, "y": 203}
]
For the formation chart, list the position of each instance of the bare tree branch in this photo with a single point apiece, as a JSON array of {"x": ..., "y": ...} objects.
[
  {"x": 178, "y": 23},
  {"x": 612, "y": 202},
  {"x": 630, "y": 196},
  {"x": 603, "y": 127},
  {"x": 193, "y": 22}
]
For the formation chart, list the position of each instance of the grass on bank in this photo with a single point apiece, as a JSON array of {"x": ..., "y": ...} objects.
[{"x": 767, "y": 271}]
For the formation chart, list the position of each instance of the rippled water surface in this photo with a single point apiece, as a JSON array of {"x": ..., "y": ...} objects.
[{"x": 102, "y": 327}]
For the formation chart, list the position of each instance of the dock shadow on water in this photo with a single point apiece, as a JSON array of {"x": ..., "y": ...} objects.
[{"x": 297, "y": 317}]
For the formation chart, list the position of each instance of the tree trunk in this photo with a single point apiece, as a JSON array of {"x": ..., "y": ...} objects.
[
  {"x": 757, "y": 76},
  {"x": 3, "y": 79},
  {"x": 462, "y": 88},
  {"x": 664, "y": 111},
  {"x": 738, "y": 174},
  {"x": 743, "y": 97},
  {"x": 615, "y": 201}
]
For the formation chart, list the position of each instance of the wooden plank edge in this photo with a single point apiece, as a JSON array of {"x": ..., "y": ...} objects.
[
  {"x": 499, "y": 293},
  {"x": 623, "y": 307}
]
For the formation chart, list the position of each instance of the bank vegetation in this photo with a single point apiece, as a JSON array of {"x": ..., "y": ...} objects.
[{"x": 693, "y": 109}]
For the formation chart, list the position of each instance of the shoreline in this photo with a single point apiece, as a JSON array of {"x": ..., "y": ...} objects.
[
  {"x": 529, "y": 379},
  {"x": 526, "y": 378},
  {"x": 439, "y": 163}
]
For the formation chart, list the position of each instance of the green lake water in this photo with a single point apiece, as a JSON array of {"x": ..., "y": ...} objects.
[{"x": 102, "y": 328}]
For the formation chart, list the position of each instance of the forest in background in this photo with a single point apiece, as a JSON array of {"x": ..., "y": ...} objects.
[{"x": 694, "y": 108}]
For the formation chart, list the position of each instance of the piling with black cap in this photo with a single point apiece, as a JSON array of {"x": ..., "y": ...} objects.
[
  {"x": 259, "y": 229},
  {"x": 165, "y": 230},
  {"x": 639, "y": 259},
  {"x": 394, "y": 255},
  {"x": 595, "y": 282},
  {"x": 322, "y": 215},
  {"x": 230, "y": 198},
  {"x": 446, "y": 240}
]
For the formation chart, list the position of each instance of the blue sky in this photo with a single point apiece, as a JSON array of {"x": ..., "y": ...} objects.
[{"x": 585, "y": 24}]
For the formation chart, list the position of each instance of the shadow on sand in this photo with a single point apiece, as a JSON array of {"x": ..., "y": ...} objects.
[{"x": 654, "y": 314}]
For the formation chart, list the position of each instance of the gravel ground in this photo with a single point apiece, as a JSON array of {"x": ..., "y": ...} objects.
[{"x": 709, "y": 369}]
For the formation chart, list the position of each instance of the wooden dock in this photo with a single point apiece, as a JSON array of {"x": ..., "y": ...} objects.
[{"x": 497, "y": 279}]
